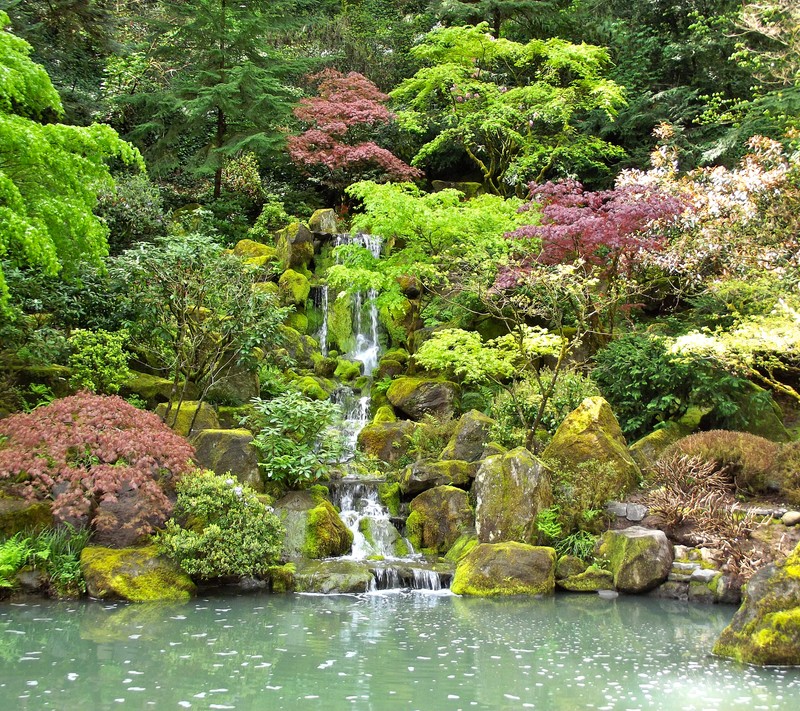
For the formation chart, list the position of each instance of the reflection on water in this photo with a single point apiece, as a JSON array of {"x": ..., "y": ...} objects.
[{"x": 398, "y": 650}]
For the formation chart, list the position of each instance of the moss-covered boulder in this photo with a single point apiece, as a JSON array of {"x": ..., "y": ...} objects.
[
  {"x": 313, "y": 528},
  {"x": 510, "y": 568},
  {"x": 417, "y": 397},
  {"x": 340, "y": 324},
  {"x": 438, "y": 517},
  {"x": 469, "y": 438},
  {"x": 314, "y": 387},
  {"x": 347, "y": 370},
  {"x": 250, "y": 249},
  {"x": 389, "y": 496},
  {"x": 639, "y": 558},
  {"x": 300, "y": 348},
  {"x": 387, "y": 441},
  {"x": 294, "y": 245},
  {"x": 385, "y": 413},
  {"x": 189, "y": 417},
  {"x": 510, "y": 490},
  {"x": 590, "y": 580},
  {"x": 647, "y": 450},
  {"x": 236, "y": 385},
  {"x": 293, "y": 288},
  {"x": 470, "y": 189},
  {"x": 229, "y": 452},
  {"x": 324, "y": 222},
  {"x": 426, "y": 474},
  {"x": 153, "y": 389},
  {"x": 332, "y": 577},
  {"x": 298, "y": 321},
  {"x": 18, "y": 515},
  {"x": 463, "y": 545},
  {"x": 569, "y": 565},
  {"x": 135, "y": 574},
  {"x": 758, "y": 414},
  {"x": 766, "y": 628},
  {"x": 389, "y": 369},
  {"x": 589, "y": 451}
]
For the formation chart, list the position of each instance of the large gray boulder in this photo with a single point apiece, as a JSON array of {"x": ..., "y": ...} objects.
[
  {"x": 766, "y": 628},
  {"x": 438, "y": 518},
  {"x": 425, "y": 474},
  {"x": 417, "y": 397},
  {"x": 510, "y": 490},
  {"x": 470, "y": 437},
  {"x": 589, "y": 451},
  {"x": 229, "y": 452},
  {"x": 639, "y": 558},
  {"x": 511, "y": 568}
]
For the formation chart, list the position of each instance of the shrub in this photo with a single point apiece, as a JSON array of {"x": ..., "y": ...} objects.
[
  {"x": 571, "y": 388},
  {"x": 133, "y": 211},
  {"x": 646, "y": 384},
  {"x": 85, "y": 450},
  {"x": 430, "y": 437},
  {"x": 98, "y": 360},
  {"x": 297, "y": 437},
  {"x": 220, "y": 528},
  {"x": 749, "y": 459}
]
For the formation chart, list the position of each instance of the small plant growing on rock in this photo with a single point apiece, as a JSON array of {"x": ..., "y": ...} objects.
[
  {"x": 84, "y": 451},
  {"x": 221, "y": 528}
]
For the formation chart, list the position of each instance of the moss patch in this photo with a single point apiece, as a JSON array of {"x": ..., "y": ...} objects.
[{"x": 492, "y": 569}]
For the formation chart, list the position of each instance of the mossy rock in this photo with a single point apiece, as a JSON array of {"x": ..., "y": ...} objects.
[
  {"x": 347, "y": 370},
  {"x": 281, "y": 578},
  {"x": 21, "y": 515},
  {"x": 590, "y": 580},
  {"x": 135, "y": 574},
  {"x": 387, "y": 441},
  {"x": 648, "y": 449},
  {"x": 324, "y": 366},
  {"x": 293, "y": 288},
  {"x": 463, "y": 545},
  {"x": 153, "y": 389},
  {"x": 398, "y": 355},
  {"x": 250, "y": 249},
  {"x": 381, "y": 535},
  {"x": 340, "y": 324},
  {"x": 766, "y": 628},
  {"x": 298, "y": 321},
  {"x": 569, "y": 565},
  {"x": 389, "y": 369},
  {"x": 324, "y": 221},
  {"x": 294, "y": 245},
  {"x": 332, "y": 577},
  {"x": 639, "y": 558},
  {"x": 300, "y": 348},
  {"x": 267, "y": 287},
  {"x": 55, "y": 377},
  {"x": 417, "y": 397},
  {"x": 313, "y": 387},
  {"x": 313, "y": 528},
  {"x": 427, "y": 474},
  {"x": 401, "y": 320},
  {"x": 469, "y": 188},
  {"x": 389, "y": 496},
  {"x": 236, "y": 385},
  {"x": 510, "y": 491},
  {"x": 758, "y": 414},
  {"x": 229, "y": 452},
  {"x": 511, "y": 568},
  {"x": 179, "y": 418},
  {"x": 469, "y": 438},
  {"x": 438, "y": 517},
  {"x": 589, "y": 451},
  {"x": 385, "y": 413}
]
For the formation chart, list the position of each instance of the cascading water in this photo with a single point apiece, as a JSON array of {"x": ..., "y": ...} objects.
[{"x": 375, "y": 537}]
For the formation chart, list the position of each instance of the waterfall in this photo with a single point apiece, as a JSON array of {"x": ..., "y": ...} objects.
[
  {"x": 322, "y": 334},
  {"x": 355, "y": 409}
]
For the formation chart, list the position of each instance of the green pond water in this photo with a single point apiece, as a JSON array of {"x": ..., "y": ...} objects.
[{"x": 396, "y": 650}]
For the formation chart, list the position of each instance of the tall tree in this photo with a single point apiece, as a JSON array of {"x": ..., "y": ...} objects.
[
  {"x": 50, "y": 174},
  {"x": 226, "y": 81}
]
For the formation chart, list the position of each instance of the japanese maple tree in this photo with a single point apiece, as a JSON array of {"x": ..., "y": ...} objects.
[
  {"x": 337, "y": 146},
  {"x": 85, "y": 450}
]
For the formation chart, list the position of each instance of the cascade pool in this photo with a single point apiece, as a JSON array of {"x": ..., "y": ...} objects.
[{"x": 385, "y": 651}]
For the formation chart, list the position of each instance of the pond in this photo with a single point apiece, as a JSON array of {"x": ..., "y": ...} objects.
[{"x": 382, "y": 651}]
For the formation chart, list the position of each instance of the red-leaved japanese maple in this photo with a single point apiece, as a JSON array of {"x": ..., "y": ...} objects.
[
  {"x": 339, "y": 121},
  {"x": 84, "y": 451}
]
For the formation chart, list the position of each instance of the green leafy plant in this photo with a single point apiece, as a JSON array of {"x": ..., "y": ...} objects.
[
  {"x": 430, "y": 437},
  {"x": 98, "y": 360},
  {"x": 14, "y": 553},
  {"x": 297, "y": 437},
  {"x": 220, "y": 527}
]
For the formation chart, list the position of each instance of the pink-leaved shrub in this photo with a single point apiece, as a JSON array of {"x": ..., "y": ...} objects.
[{"x": 86, "y": 451}]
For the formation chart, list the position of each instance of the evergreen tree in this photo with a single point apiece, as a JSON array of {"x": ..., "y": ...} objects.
[{"x": 226, "y": 73}]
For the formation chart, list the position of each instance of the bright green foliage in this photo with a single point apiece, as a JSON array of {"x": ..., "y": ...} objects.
[
  {"x": 298, "y": 438},
  {"x": 224, "y": 528},
  {"x": 463, "y": 354},
  {"x": 439, "y": 233},
  {"x": 514, "y": 109},
  {"x": 13, "y": 555},
  {"x": 98, "y": 361},
  {"x": 50, "y": 174}
]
